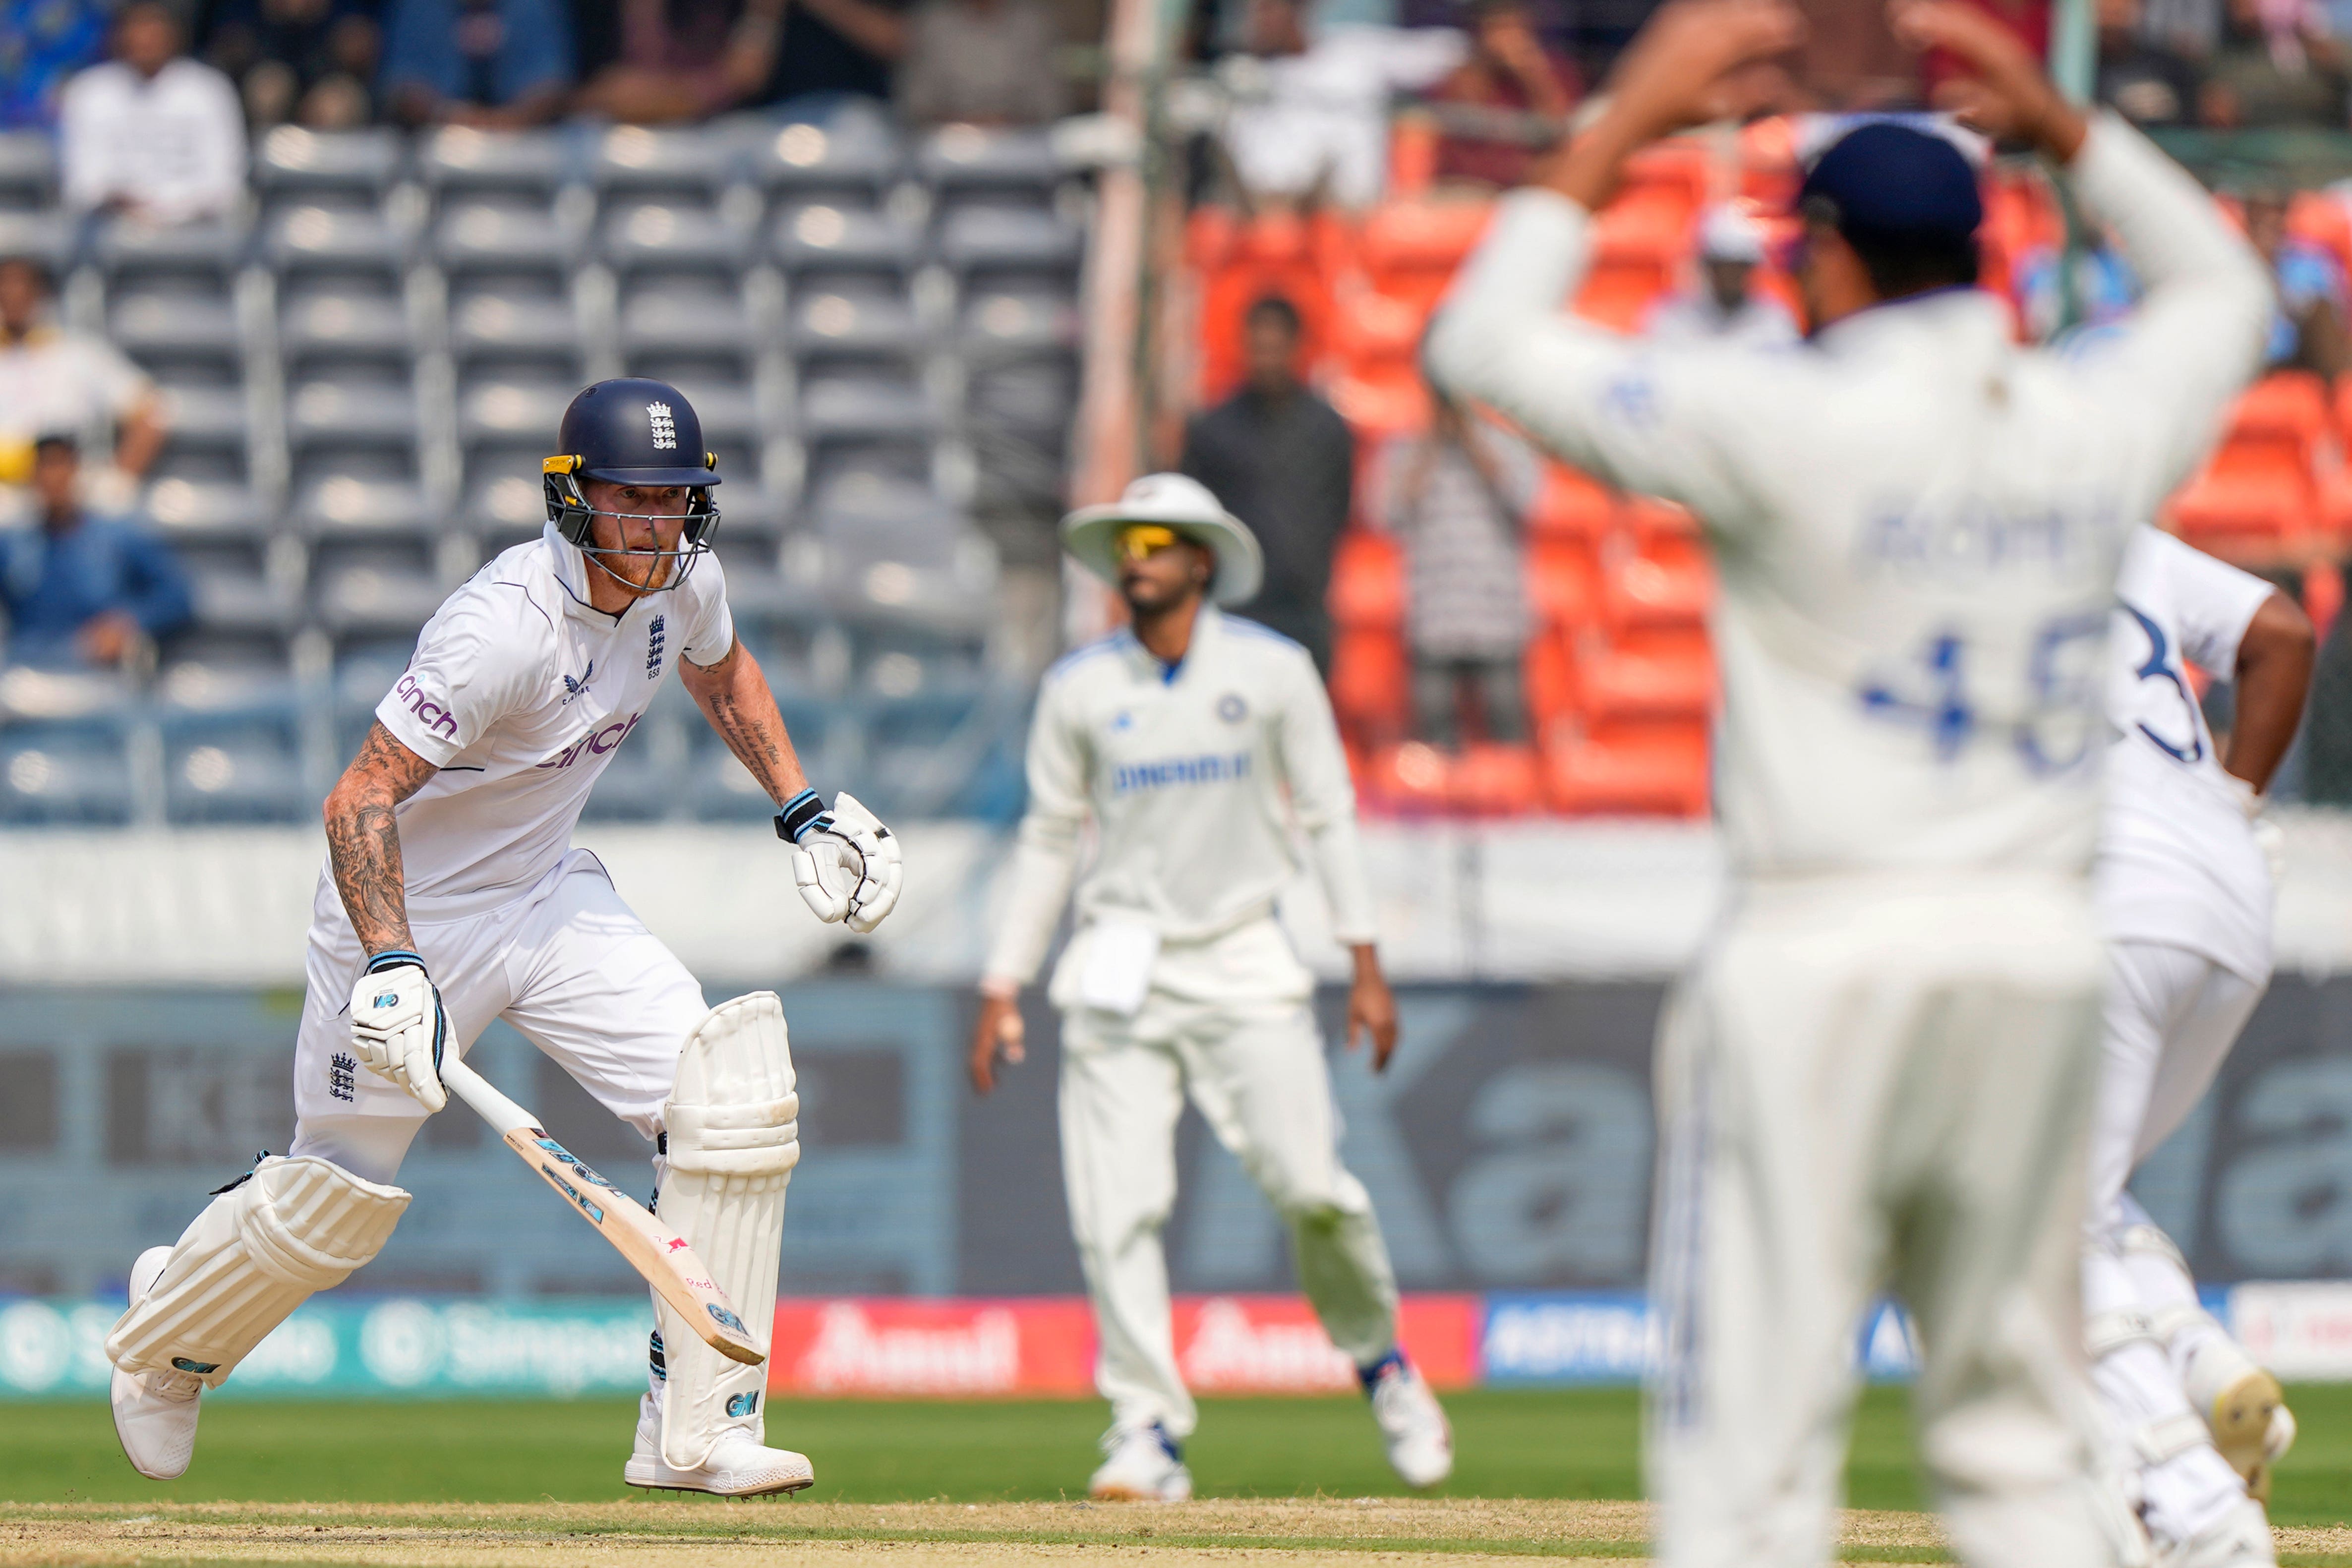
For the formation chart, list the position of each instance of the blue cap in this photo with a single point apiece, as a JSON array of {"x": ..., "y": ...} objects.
[{"x": 1887, "y": 178}]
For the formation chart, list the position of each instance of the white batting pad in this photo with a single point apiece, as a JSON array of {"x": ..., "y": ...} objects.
[
  {"x": 733, "y": 1122},
  {"x": 257, "y": 1251}
]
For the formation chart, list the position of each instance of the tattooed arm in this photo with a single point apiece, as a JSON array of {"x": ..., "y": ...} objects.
[
  {"x": 734, "y": 695},
  {"x": 363, "y": 840}
]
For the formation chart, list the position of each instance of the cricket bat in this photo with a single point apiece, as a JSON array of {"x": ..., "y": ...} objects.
[{"x": 652, "y": 1248}]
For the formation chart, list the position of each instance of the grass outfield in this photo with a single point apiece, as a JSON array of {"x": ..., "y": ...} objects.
[{"x": 992, "y": 1476}]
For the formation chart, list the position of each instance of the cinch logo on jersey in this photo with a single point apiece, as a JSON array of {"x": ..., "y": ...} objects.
[
  {"x": 1212, "y": 768},
  {"x": 430, "y": 713},
  {"x": 665, "y": 427},
  {"x": 596, "y": 742}
]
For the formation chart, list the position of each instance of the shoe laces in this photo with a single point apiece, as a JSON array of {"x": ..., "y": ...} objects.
[{"x": 174, "y": 1385}]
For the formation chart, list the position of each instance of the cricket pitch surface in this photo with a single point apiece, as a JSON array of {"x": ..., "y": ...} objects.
[{"x": 710, "y": 1534}]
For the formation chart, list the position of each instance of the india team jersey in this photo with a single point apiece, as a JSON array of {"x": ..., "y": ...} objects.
[
  {"x": 2178, "y": 860},
  {"x": 1193, "y": 777},
  {"x": 1916, "y": 521},
  {"x": 521, "y": 691}
]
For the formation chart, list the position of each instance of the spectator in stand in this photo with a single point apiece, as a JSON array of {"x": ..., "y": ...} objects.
[
  {"x": 990, "y": 62},
  {"x": 2141, "y": 80},
  {"x": 151, "y": 134},
  {"x": 1312, "y": 119},
  {"x": 43, "y": 43},
  {"x": 2277, "y": 66},
  {"x": 1458, "y": 499},
  {"x": 1283, "y": 461},
  {"x": 79, "y": 590},
  {"x": 307, "y": 61},
  {"x": 56, "y": 379},
  {"x": 1725, "y": 308},
  {"x": 2307, "y": 328},
  {"x": 1518, "y": 91},
  {"x": 497, "y": 65},
  {"x": 2104, "y": 289},
  {"x": 834, "y": 50},
  {"x": 682, "y": 60}
]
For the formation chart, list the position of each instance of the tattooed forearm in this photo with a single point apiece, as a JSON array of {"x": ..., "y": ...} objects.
[
  {"x": 363, "y": 839},
  {"x": 734, "y": 696}
]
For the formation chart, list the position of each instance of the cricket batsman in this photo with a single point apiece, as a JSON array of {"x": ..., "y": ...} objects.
[
  {"x": 1879, "y": 1072},
  {"x": 452, "y": 896},
  {"x": 2184, "y": 891},
  {"x": 1195, "y": 741}
]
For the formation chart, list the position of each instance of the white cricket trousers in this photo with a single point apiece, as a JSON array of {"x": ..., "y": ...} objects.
[
  {"x": 1256, "y": 1072},
  {"x": 567, "y": 963},
  {"x": 1864, "y": 1083},
  {"x": 2170, "y": 1016}
]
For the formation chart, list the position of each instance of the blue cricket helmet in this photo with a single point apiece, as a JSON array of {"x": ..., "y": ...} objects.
[{"x": 631, "y": 431}]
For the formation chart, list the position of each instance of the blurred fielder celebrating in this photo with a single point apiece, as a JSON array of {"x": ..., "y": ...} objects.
[
  {"x": 1880, "y": 1071},
  {"x": 452, "y": 896},
  {"x": 2184, "y": 895},
  {"x": 1194, "y": 740}
]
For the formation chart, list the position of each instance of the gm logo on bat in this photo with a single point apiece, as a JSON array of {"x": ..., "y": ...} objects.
[
  {"x": 575, "y": 1194},
  {"x": 727, "y": 1319}
]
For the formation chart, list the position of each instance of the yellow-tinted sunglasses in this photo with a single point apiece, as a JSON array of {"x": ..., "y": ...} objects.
[{"x": 1142, "y": 541}]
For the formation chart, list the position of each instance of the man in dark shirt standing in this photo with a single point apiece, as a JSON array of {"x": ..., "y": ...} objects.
[{"x": 1283, "y": 461}]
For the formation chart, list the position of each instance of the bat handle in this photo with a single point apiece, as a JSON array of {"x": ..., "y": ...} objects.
[{"x": 503, "y": 1114}]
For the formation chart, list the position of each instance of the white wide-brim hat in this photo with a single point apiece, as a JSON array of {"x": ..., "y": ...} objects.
[{"x": 1091, "y": 533}]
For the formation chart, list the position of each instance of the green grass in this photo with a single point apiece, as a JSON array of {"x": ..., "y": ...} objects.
[{"x": 1574, "y": 1443}]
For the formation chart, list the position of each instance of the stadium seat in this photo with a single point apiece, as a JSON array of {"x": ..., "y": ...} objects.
[
  {"x": 374, "y": 413},
  {"x": 964, "y": 163},
  {"x": 1548, "y": 677},
  {"x": 980, "y": 243},
  {"x": 1491, "y": 781},
  {"x": 660, "y": 236},
  {"x": 1562, "y": 582},
  {"x": 177, "y": 327},
  {"x": 226, "y": 672},
  {"x": 670, "y": 163},
  {"x": 331, "y": 325},
  {"x": 55, "y": 776},
  {"x": 851, "y": 161},
  {"x": 491, "y": 328},
  {"x": 2320, "y": 218},
  {"x": 1368, "y": 589},
  {"x": 1370, "y": 682},
  {"x": 352, "y": 493},
  {"x": 244, "y": 770},
  {"x": 235, "y": 587},
  {"x": 518, "y": 243},
  {"x": 1409, "y": 780},
  {"x": 204, "y": 254},
  {"x": 311, "y": 241},
  {"x": 1667, "y": 583},
  {"x": 195, "y": 509},
  {"x": 876, "y": 325},
  {"x": 28, "y": 171},
  {"x": 349, "y": 169},
  {"x": 1666, "y": 673},
  {"x": 1572, "y": 504},
  {"x": 830, "y": 242},
  {"x": 1641, "y": 769},
  {"x": 49, "y": 237},
  {"x": 1409, "y": 251},
  {"x": 993, "y": 320},
  {"x": 2258, "y": 493},
  {"x": 895, "y": 551},
  {"x": 1652, "y": 521},
  {"x": 374, "y": 589},
  {"x": 458, "y": 159}
]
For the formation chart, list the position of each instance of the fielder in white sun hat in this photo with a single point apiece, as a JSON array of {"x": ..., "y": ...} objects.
[{"x": 1185, "y": 506}]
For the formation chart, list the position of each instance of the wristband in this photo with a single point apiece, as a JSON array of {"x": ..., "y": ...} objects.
[
  {"x": 801, "y": 813},
  {"x": 392, "y": 959}
]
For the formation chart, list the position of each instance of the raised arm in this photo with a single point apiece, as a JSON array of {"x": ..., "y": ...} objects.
[{"x": 363, "y": 839}]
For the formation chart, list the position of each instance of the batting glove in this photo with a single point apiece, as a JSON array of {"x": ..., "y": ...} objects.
[
  {"x": 398, "y": 1025},
  {"x": 845, "y": 861}
]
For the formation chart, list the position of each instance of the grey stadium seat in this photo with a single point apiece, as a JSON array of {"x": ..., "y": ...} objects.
[
  {"x": 699, "y": 317},
  {"x": 964, "y": 162},
  {"x": 48, "y": 237},
  {"x": 829, "y": 241},
  {"x": 234, "y": 588},
  {"x": 491, "y": 327},
  {"x": 459, "y": 160},
  {"x": 58, "y": 775},
  {"x": 342, "y": 493},
  {"x": 512, "y": 412},
  {"x": 162, "y": 324},
  {"x": 374, "y": 587},
  {"x": 209, "y": 252},
  {"x": 226, "y": 672},
  {"x": 674, "y": 164},
  {"x": 852, "y": 162},
  {"x": 664, "y": 237},
  {"x": 28, "y": 171},
  {"x": 334, "y": 168},
  {"x": 192, "y": 509},
  {"x": 522, "y": 245},
  {"x": 896, "y": 550},
  {"x": 350, "y": 412},
  {"x": 314, "y": 241},
  {"x": 828, "y": 327},
  {"x": 340, "y": 324},
  {"x": 242, "y": 770},
  {"x": 991, "y": 242}
]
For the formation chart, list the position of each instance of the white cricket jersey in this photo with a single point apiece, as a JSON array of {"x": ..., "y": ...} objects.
[
  {"x": 520, "y": 692},
  {"x": 2178, "y": 860},
  {"x": 1916, "y": 521},
  {"x": 1193, "y": 775}
]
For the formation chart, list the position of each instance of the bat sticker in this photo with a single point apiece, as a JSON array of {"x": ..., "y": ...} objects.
[{"x": 726, "y": 1317}]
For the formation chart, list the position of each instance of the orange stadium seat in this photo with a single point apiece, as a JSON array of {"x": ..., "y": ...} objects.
[
  {"x": 1409, "y": 780},
  {"x": 1661, "y": 672},
  {"x": 1368, "y": 582},
  {"x": 1651, "y": 768},
  {"x": 1381, "y": 402},
  {"x": 1492, "y": 781},
  {"x": 1548, "y": 673},
  {"x": 1572, "y": 502},
  {"x": 1370, "y": 684},
  {"x": 2319, "y": 219},
  {"x": 1667, "y": 583},
  {"x": 1562, "y": 582},
  {"x": 1416, "y": 247},
  {"x": 1654, "y": 519},
  {"x": 2259, "y": 491}
]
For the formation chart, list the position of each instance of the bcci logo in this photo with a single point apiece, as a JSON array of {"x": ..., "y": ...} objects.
[{"x": 665, "y": 427}]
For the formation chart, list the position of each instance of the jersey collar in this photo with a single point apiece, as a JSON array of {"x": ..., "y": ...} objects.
[{"x": 569, "y": 569}]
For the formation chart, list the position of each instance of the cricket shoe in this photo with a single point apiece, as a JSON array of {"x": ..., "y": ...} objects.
[
  {"x": 155, "y": 1412},
  {"x": 736, "y": 1465},
  {"x": 1412, "y": 1423},
  {"x": 2239, "y": 1539},
  {"x": 1141, "y": 1464},
  {"x": 2243, "y": 1407}
]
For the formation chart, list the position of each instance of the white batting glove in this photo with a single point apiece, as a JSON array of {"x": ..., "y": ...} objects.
[
  {"x": 845, "y": 861},
  {"x": 398, "y": 1025},
  {"x": 879, "y": 878}
]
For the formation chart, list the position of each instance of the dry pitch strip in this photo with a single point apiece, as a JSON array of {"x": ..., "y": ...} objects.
[{"x": 715, "y": 1535}]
